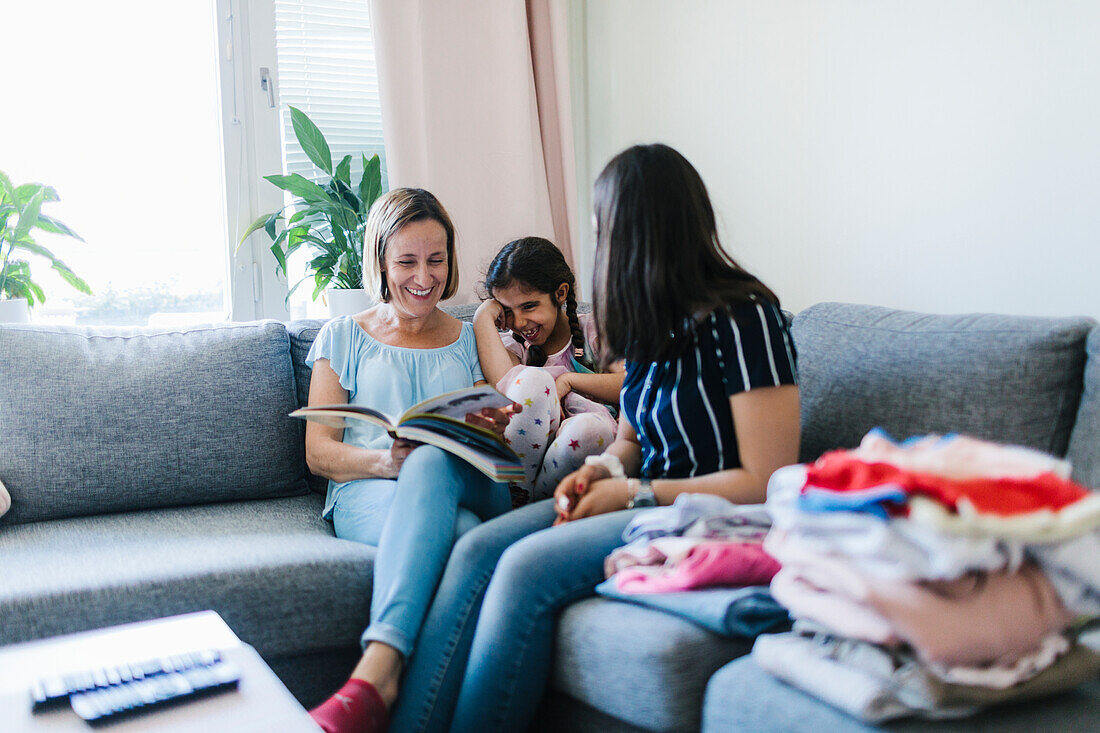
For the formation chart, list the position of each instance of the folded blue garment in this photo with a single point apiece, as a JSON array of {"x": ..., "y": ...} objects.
[
  {"x": 872, "y": 501},
  {"x": 738, "y": 612}
]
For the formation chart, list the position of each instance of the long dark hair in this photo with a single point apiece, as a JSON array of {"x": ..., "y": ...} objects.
[
  {"x": 538, "y": 265},
  {"x": 659, "y": 263}
]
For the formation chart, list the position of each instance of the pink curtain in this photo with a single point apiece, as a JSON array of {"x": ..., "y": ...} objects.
[{"x": 475, "y": 108}]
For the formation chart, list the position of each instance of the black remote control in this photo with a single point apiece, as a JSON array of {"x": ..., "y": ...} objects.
[
  {"x": 152, "y": 693},
  {"x": 51, "y": 692}
]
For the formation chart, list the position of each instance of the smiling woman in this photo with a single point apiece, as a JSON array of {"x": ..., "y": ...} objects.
[{"x": 411, "y": 502}]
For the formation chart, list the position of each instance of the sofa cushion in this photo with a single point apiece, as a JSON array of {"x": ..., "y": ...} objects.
[
  {"x": 106, "y": 420},
  {"x": 743, "y": 697},
  {"x": 270, "y": 567},
  {"x": 1084, "y": 443},
  {"x": 302, "y": 333},
  {"x": 1011, "y": 379},
  {"x": 641, "y": 666}
]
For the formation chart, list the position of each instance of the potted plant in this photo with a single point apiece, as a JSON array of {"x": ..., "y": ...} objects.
[
  {"x": 328, "y": 217},
  {"x": 20, "y": 214}
]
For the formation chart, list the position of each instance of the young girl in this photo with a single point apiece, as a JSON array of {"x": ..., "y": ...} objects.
[
  {"x": 709, "y": 405},
  {"x": 544, "y": 362}
]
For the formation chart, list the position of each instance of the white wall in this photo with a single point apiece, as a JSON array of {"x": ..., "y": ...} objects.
[{"x": 936, "y": 155}]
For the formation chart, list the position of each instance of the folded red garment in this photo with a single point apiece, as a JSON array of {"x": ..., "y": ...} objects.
[{"x": 837, "y": 471}]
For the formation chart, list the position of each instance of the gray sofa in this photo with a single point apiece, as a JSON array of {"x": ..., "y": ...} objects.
[{"x": 155, "y": 473}]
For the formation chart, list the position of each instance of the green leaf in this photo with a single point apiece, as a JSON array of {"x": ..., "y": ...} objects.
[
  {"x": 71, "y": 277},
  {"x": 34, "y": 288},
  {"x": 315, "y": 240},
  {"x": 18, "y": 284},
  {"x": 269, "y": 225},
  {"x": 280, "y": 258},
  {"x": 258, "y": 224},
  {"x": 343, "y": 171},
  {"x": 302, "y": 213},
  {"x": 23, "y": 193},
  {"x": 7, "y": 193},
  {"x": 312, "y": 141},
  {"x": 28, "y": 217},
  {"x": 49, "y": 224},
  {"x": 29, "y": 245},
  {"x": 323, "y": 261},
  {"x": 351, "y": 199},
  {"x": 301, "y": 186},
  {"x": 370, "y": 186},
  {"x": 322, "y": 282}
]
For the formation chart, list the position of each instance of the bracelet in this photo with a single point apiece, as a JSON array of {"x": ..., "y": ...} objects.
[{"x": 609, "y": 461}]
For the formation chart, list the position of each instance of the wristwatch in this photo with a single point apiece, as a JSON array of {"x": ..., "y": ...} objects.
[{"x": 641, "y": 493}]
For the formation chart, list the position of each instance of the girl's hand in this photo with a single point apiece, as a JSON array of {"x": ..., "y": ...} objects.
[
  {"x": 564, "y": 384},
  {"x": 573, "y": 487},
  {"x": 602, "y": 497},
  {"x": 399, "y": 451},
  {"x": 493, "y": 419},
  {"x": 492, "y": 311}
]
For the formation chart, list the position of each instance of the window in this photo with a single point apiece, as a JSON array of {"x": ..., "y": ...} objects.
[
  {"x": 326, "y": 69},
  {"x": 124, "y": 123},
  {"x": 157, "y": 141}
]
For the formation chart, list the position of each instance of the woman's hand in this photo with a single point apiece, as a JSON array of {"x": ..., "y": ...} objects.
[
  {"x": 606, "y": 495},
  {"x": 391, "y": 462},
  {"x": 571, "y": 488},
  {"x": 494, "y": 419}
]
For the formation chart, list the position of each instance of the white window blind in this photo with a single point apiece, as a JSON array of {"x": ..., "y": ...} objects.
[{"x": 326, "y": 69}]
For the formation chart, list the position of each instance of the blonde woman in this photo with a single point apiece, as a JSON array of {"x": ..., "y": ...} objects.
[{"x": 410, "y": 501}]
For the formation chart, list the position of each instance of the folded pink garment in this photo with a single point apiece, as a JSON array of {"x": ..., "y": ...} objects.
[
  {"x": 840, "y": 614},
  {"x": 982, "y": 619},
  {"x": 977, "y": 620},
  {"x": 650, "y": 553},
  {"x": 707, "y": 564}
]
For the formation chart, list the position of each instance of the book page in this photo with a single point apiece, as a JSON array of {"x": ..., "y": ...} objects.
[
  {"x": 455, "y": 405},
  {"x": 336, "y": 416}
]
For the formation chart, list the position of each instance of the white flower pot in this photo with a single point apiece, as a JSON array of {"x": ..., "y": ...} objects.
[
  {"x": 347, "y": 302},
  {"x": 15, "y": 310}
]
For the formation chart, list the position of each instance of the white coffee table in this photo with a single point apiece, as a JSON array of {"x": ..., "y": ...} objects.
[{"x": 262, "y": 702}]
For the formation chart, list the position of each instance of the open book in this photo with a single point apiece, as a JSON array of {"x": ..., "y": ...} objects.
[{"x": 440, "y": 421}]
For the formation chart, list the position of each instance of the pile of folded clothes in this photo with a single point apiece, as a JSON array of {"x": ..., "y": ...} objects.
[
  {"x": 933, "y": 577},
  {"x": 702, "y": 559}
]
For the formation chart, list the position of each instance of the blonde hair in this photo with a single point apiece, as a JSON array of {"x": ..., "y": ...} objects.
[{"x": 389, "y": 213}]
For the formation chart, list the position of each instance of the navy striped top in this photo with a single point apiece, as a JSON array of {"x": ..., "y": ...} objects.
[{"x": 680, "y": 408}]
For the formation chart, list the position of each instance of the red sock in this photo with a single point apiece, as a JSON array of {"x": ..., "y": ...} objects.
[{"x": 355, "y": 708}]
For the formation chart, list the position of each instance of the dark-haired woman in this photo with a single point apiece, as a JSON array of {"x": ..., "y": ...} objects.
[
  {"x": 709, "y": 405},
  {"x": 544, "y": 362}
]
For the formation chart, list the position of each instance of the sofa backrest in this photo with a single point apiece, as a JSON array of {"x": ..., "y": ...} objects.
[
  {"x": 1084, "y": 442},
  {"x": 94, "y": 421},
  {"x": 1011, "y": 379}
]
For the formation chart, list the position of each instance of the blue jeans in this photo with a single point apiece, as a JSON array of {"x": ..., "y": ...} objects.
[
  {"x": 509, "y": 661},
  {"x": 414, "y": 522},
  {"x": 433, "y": 676}
]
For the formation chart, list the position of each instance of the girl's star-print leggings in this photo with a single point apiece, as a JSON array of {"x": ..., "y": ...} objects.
[{"x": 552, "y": 448}]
